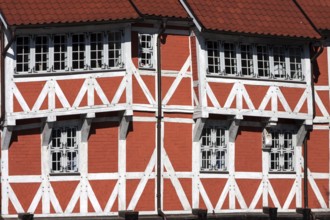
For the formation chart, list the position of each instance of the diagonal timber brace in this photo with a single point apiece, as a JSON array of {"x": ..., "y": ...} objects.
[
  {"x": 301, "y": 134},
  {"x": 233, "y": 129},
  {"x": 6, "y": 137},
  {"x": 46, "y": 133},
  {"x": 85, "y": 128},
  {"x": 124, "y": 125},
  {"x": 198, "y": 129}
]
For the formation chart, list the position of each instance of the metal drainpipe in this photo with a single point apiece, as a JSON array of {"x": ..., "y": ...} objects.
[{"x": 159, "y": 119}]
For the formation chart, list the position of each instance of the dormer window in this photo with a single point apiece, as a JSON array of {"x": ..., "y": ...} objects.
[
  {"x": 69, "y": 52},
  {"x": 254, "y": 60}
]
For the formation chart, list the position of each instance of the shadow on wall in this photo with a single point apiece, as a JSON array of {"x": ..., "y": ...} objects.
[{"x": 315, "y": 64}]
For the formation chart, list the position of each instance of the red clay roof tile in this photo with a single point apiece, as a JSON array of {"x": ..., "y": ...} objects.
[
  {"x": 318, "y": 11},
  {"x": 161, "y": 8},
  {"x": 266, "y": 17},
  {"x": 25, "y": 12}
]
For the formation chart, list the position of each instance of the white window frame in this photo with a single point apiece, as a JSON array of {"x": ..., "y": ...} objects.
[
  {"x": 64, "y": 150},
  {"x": 66, "y": 55},
  {"x": 279, "y": 138},
  {"x": 149, "y": 50},
  {"x": 23, "y": 53},
  {"x": 259, "y": 64},
  {"x": 118, "y": 61},
  {"x": 62, "y": 53},
  {"x": 43, "y": 60},
  {"x": 209, "y": 147}
]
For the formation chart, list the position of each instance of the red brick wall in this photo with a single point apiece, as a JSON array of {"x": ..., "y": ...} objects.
[
  {"x": 318, "y": 151},
  {"x": 178, "y": 145},
  {"x": 140, "y": 143},
  {"x": 25, "y": 153},
  {"x": 174, "y": 52},
  {"x": 248, "y": 153},
  {"x": 103, "y": 148},
  {"x": 320, "y": 68}
]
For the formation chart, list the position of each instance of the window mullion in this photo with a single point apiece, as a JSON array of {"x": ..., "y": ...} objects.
[
  {"x": 304, "y": 62},
  {"x": 271, "y": 62},
  {"x": 222, "y": 58},
  {"x": 87, "y": 64},
  {"x": 69, "y": 52},
  {"x": 105, "y": 59},
  {"x": 32, "y": 54},
  {"x": 255, "y": 60},
  {"x": 238, "y": 59},
  {"x": 51, "y": 53},
  {"x": 287, "y": 63}
]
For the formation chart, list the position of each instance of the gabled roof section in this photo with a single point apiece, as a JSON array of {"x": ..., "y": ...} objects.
[
  {"x": 161, "y": 8},
  {"x": 318, "y": 11},
  {"x": 257, "y": 17},
  {"x": 39, "y": 12}
]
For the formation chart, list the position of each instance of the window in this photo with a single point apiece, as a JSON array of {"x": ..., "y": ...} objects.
[
  {"x": 78, "y": 51},
  {"x": 115, "y": 59},
  {"x": 64, "y": 150},
  {"x": 279, "y": 62},
  {"x": 281, "y": 152},
  {"x": 295, "y": 63},
  {"x": 213, "y": 149},
  {"x": 146, "y": 51},
  {"x": 247, "y": 60},
  {"x": 41, "y": 53},
  {"x": 60, "y": 52},
  {"x": 263, "y": 61},
  {"x": 22, "y": 54},
  {"x": 254, "y": 60},
  {"x": 230, "y": 59},
  {"x": 64, "y": 52},
  {"x": 213, "y": 55},
  {"x": 96, "y": 50}
]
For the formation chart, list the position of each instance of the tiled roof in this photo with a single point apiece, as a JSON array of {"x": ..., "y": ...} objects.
[
  {"x": 318, "y": 11},
  {"x": 161, "y": 8},
  {"x": 262, "y": 17},
  {"x": 25, "y": 12}
]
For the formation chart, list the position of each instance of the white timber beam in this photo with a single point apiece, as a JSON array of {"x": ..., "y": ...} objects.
[
  {"x": 5, "y": 143},
  {"x": 6, "y": 137},
  {"x": 301, "y": 134},
  {"x": 46, "y": 133},
  {"x": 232, "y": 133},
  {"x": 85, "y": 128},
  {"x": 122, "y": 133},
  {"x": 233, "y": 129},
  {"x": 124, "y": 125},
  {"x": 83, "y": 163},
  {"x": 198, "y": 129}
]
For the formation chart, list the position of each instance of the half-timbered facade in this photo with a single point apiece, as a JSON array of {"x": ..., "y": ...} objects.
[{"x": 163, "y": 107}]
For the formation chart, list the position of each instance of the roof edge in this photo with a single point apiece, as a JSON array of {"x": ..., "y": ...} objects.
[
  {"x": 3, "y": 20},
  {"x": 60, "y": 24},
  {"x": 307, "y": 18},
  {"x": 261, "y": 35},
  {"x": 190, "y": 12}
]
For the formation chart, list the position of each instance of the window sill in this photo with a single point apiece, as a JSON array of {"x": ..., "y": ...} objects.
[
  {"x": 214, "y": 172},
  {"x": 147, "y": 69},
  {"x": 254, "y": 78},
  {"x": 282, "y": 172},
  {"x": 63, "y": 73},
  {"x": 64, "y": 174}
]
